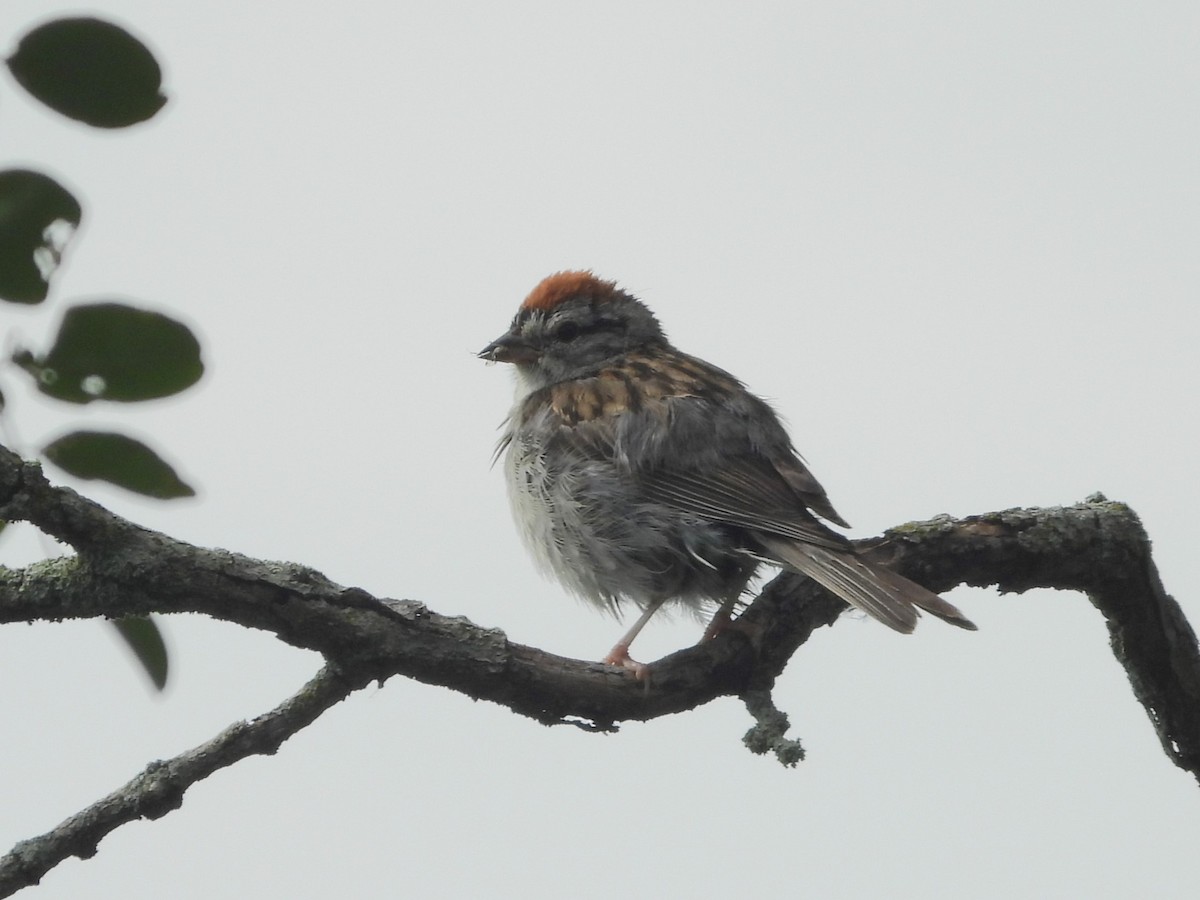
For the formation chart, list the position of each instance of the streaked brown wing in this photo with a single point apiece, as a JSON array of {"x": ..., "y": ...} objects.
[
  {"x": 746, "y": 492},
  {"x": 662, "y": 393},
  {"x": 805, "y": 484}
]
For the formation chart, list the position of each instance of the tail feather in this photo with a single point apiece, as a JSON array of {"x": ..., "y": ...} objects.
[
  {"x": 924, "y": 598},
  {"x": 879, "y": 592}
]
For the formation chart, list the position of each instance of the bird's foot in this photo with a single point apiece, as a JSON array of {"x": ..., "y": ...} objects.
[{"x": 619, "y": 656}]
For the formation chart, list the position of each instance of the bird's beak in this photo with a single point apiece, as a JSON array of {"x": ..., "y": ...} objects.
[{"x": 510, "y": 348}]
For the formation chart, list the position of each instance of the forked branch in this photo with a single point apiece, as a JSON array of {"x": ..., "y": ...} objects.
[{"x": 1097, "y": 547}]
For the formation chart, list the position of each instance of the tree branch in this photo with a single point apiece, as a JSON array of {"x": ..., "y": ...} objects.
[
  {"x": 161, "y": 785},
  {"x": 1097, "y": 547}
]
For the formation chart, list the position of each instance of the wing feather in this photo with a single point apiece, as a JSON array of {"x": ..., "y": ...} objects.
[
  {"x": 881, "y": 593},
  {"x": 747, "y": 494},
  {"x": 742, "y": 474}
]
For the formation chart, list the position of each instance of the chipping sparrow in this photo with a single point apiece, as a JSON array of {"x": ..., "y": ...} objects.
[{"x": 640, "y": 474}]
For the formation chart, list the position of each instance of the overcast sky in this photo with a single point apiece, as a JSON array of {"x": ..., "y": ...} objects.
[{"x": 955, "y": 243}]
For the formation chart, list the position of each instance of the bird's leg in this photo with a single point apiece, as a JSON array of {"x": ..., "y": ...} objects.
[
  {"x": 723, "y": 620},
  {"x": 619, "y": 655}
]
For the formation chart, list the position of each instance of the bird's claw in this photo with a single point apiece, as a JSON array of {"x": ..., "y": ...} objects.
[{"x": 619, "y": 656}]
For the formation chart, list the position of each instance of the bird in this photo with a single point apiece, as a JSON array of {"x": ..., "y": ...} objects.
[{"x": 639, "y": 475}]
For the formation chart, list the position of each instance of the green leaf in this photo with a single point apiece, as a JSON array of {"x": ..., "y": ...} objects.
[
  {"x": 119, "y": 460},
  {"x": 91, "y": 71},
  {"x": 37, "y": 218},
  {"x": 110, "y": 351},
  {"x": 146, "y": 642}
]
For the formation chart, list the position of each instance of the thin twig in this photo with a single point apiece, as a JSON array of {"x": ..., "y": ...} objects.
[
  {"x": 1097, "y": 547},
  {"x": 161, "y": 785}
]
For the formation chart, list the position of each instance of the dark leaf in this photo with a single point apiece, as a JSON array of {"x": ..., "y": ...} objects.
[
  {"x": 110, "y": 351},
  {"x": 119, "y": 460},
  {"x": 145, "y": 640},
  {"x": 37, "y": 218},
  {"x": 91, "y": 71}
]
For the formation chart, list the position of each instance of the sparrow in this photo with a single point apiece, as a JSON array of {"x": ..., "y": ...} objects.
[{"x": 638, "y": 474}]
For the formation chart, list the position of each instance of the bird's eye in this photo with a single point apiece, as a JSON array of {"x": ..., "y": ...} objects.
[{"x": 566, "y": 332}]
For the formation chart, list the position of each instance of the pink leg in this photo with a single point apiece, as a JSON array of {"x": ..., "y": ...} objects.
[
  {"x": 619, "y": 655},
  {"x": 723, "y": 620},
  {"x": 720, "y": 621}
]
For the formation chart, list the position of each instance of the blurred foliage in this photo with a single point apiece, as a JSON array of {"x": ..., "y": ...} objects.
[
  {"x": 37, "y": 217},
  {"x": 117, "y": 459},
  {"x": 146, "y": 642},
  {"x": 92, "y": 71},
  {"x": 97, "y": 73},
  {"x": 111, "y": 351}
]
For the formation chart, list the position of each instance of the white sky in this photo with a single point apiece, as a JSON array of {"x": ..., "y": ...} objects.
[{"x": 956, "y": 243}]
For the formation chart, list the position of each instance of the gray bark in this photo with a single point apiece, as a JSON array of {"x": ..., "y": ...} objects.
[{"x": 1097, "y": 547}]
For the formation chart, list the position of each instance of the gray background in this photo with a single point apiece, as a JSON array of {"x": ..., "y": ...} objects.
[{"x": 955, "y": 243}]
